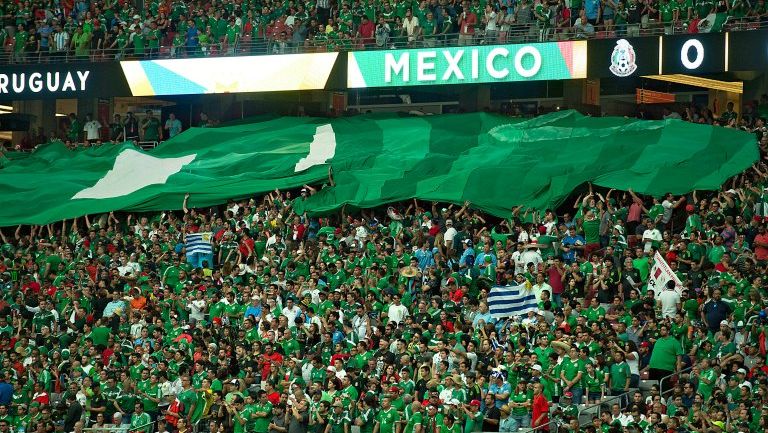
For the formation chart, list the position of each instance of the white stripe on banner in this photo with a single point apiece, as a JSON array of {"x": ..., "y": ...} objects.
[
  {"x": 199, "y": 243},
  {"x": 508, "y": 301}
]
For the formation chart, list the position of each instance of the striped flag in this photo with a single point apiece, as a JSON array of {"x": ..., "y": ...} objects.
[
  {"x": 199, "y": 243},
  {"x": 509, "y": 301}
]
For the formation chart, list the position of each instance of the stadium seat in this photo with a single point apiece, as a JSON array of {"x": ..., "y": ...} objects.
[{"x": 645, "y": 385}]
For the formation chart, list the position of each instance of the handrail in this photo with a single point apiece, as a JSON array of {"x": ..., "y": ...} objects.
[
  {"x": 608, "y": 399},
  {"x": 546, "y": 426},
  {"x": 123, "y": 428},
  {"x": 661, "y": 381},
  {"x": 515, "y": 33}
]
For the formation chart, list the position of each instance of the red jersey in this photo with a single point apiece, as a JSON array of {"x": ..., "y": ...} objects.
[
  {"x": 540, "y": 407},
  {"x": 275, "y": 358}
]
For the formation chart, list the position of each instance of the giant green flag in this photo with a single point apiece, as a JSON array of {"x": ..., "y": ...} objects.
[{"x": 494, "y": 162}]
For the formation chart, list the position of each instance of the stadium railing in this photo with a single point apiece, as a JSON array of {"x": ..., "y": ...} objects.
[
  {"x": 668, "y": 377},
  {"x": 270, "y": 45},
  {"x": 145, "y": 428},
  {"x": 595, "y": 408},
  {"x": 148, "y": 145}
]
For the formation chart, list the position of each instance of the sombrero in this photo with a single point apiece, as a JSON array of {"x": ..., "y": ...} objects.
[{"x": 409, "y": 271}]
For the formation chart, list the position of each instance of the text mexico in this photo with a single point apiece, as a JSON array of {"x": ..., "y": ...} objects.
[{"x": 467, "y": 65}]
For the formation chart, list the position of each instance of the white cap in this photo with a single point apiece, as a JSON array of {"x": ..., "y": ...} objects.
[{"x": 537, "y": 367}]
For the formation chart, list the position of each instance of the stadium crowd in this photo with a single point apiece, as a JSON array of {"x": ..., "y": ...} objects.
[
  {"x": 42, "y": 31},
  {"x": 250, "y": 318}
]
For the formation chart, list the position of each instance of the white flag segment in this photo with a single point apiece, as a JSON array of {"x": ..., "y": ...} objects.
[
  {"x": 510, "y": 301},
  {"x": 660, "y": 274}
]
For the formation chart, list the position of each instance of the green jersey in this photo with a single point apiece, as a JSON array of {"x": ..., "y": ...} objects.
[
  {"x": 233, "y": 32},
  {"x": 543, "y": 15},
  {"x": 619, "y": 373},
  {"x": 387, "y": 420},
  {"x": 154, "y": 36},
  {"x": 339, "y": 421},
  {"x": 139, "y": 42},
  {"x": 20, "y": 40},
  {"x": 261, "y": 424}
]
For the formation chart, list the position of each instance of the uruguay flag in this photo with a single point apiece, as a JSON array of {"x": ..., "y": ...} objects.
[
  {"x": 509, "y": 301},
  {"x": 199, "y": 243}
]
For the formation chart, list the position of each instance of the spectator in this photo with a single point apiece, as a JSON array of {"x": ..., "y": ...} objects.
[
  {"x": 150, "y": 127},
  {"x": 91, "y": 128},
  {"x": 467, "y": 23},
  {"x": 411, "y": 29},
  {"x": 117, "y": 129},
  {"x": 540, "y": 415},
  {"x": 131, "y": 127},
  {"x": 173, "y": 125}
]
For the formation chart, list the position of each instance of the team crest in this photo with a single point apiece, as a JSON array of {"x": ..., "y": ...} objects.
[{"x": 623, "y": 59}]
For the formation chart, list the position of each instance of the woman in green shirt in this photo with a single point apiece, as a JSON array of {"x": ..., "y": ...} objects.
[
  {"x": 593, "y": 383},
  {"x": 520, "y": 401}
]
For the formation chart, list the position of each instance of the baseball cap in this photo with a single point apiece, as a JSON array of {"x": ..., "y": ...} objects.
[
  {"x": 474, "y": 402},
  {"x": 724, "y": 323},
  {"x": 537, "y": 367}
]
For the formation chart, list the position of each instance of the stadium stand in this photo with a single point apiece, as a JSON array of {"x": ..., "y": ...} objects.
[{"x": 41, "y": 31}]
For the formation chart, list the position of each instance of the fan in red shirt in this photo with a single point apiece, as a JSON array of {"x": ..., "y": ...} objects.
[
  {"x": 760, "y": 369},
  {"x": 365, "y": 31},
  {"x": 435, "y": 229},
  {"x": 297, "y": 229},
  {"x": 246, "y": 245},
  {"x": 540, "y": 417},
  {"x": 272, "y": 395},
  {"x": 40, "y": 395},
  {"x": 29, "y": 285},
  {"x": 761, "y": 245},
  {"x": 270, "y": 357},
  {"x": 446, "y": 322}
]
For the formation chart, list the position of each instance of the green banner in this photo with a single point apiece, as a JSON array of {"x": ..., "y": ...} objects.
[
  {"x": 493, "y": 161},
  {"x": 468, "y": 65}
]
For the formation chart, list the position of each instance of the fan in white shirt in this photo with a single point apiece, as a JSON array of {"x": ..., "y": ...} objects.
[
  {"x": 669, "y": 300},
  {"x": 397, "y": 311},
  {"x": 291, "y": 312},
  {"x": 650, "y": 235},
  {"x": 91, "y": 128},
  {"x": 450, "y": 233}
]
